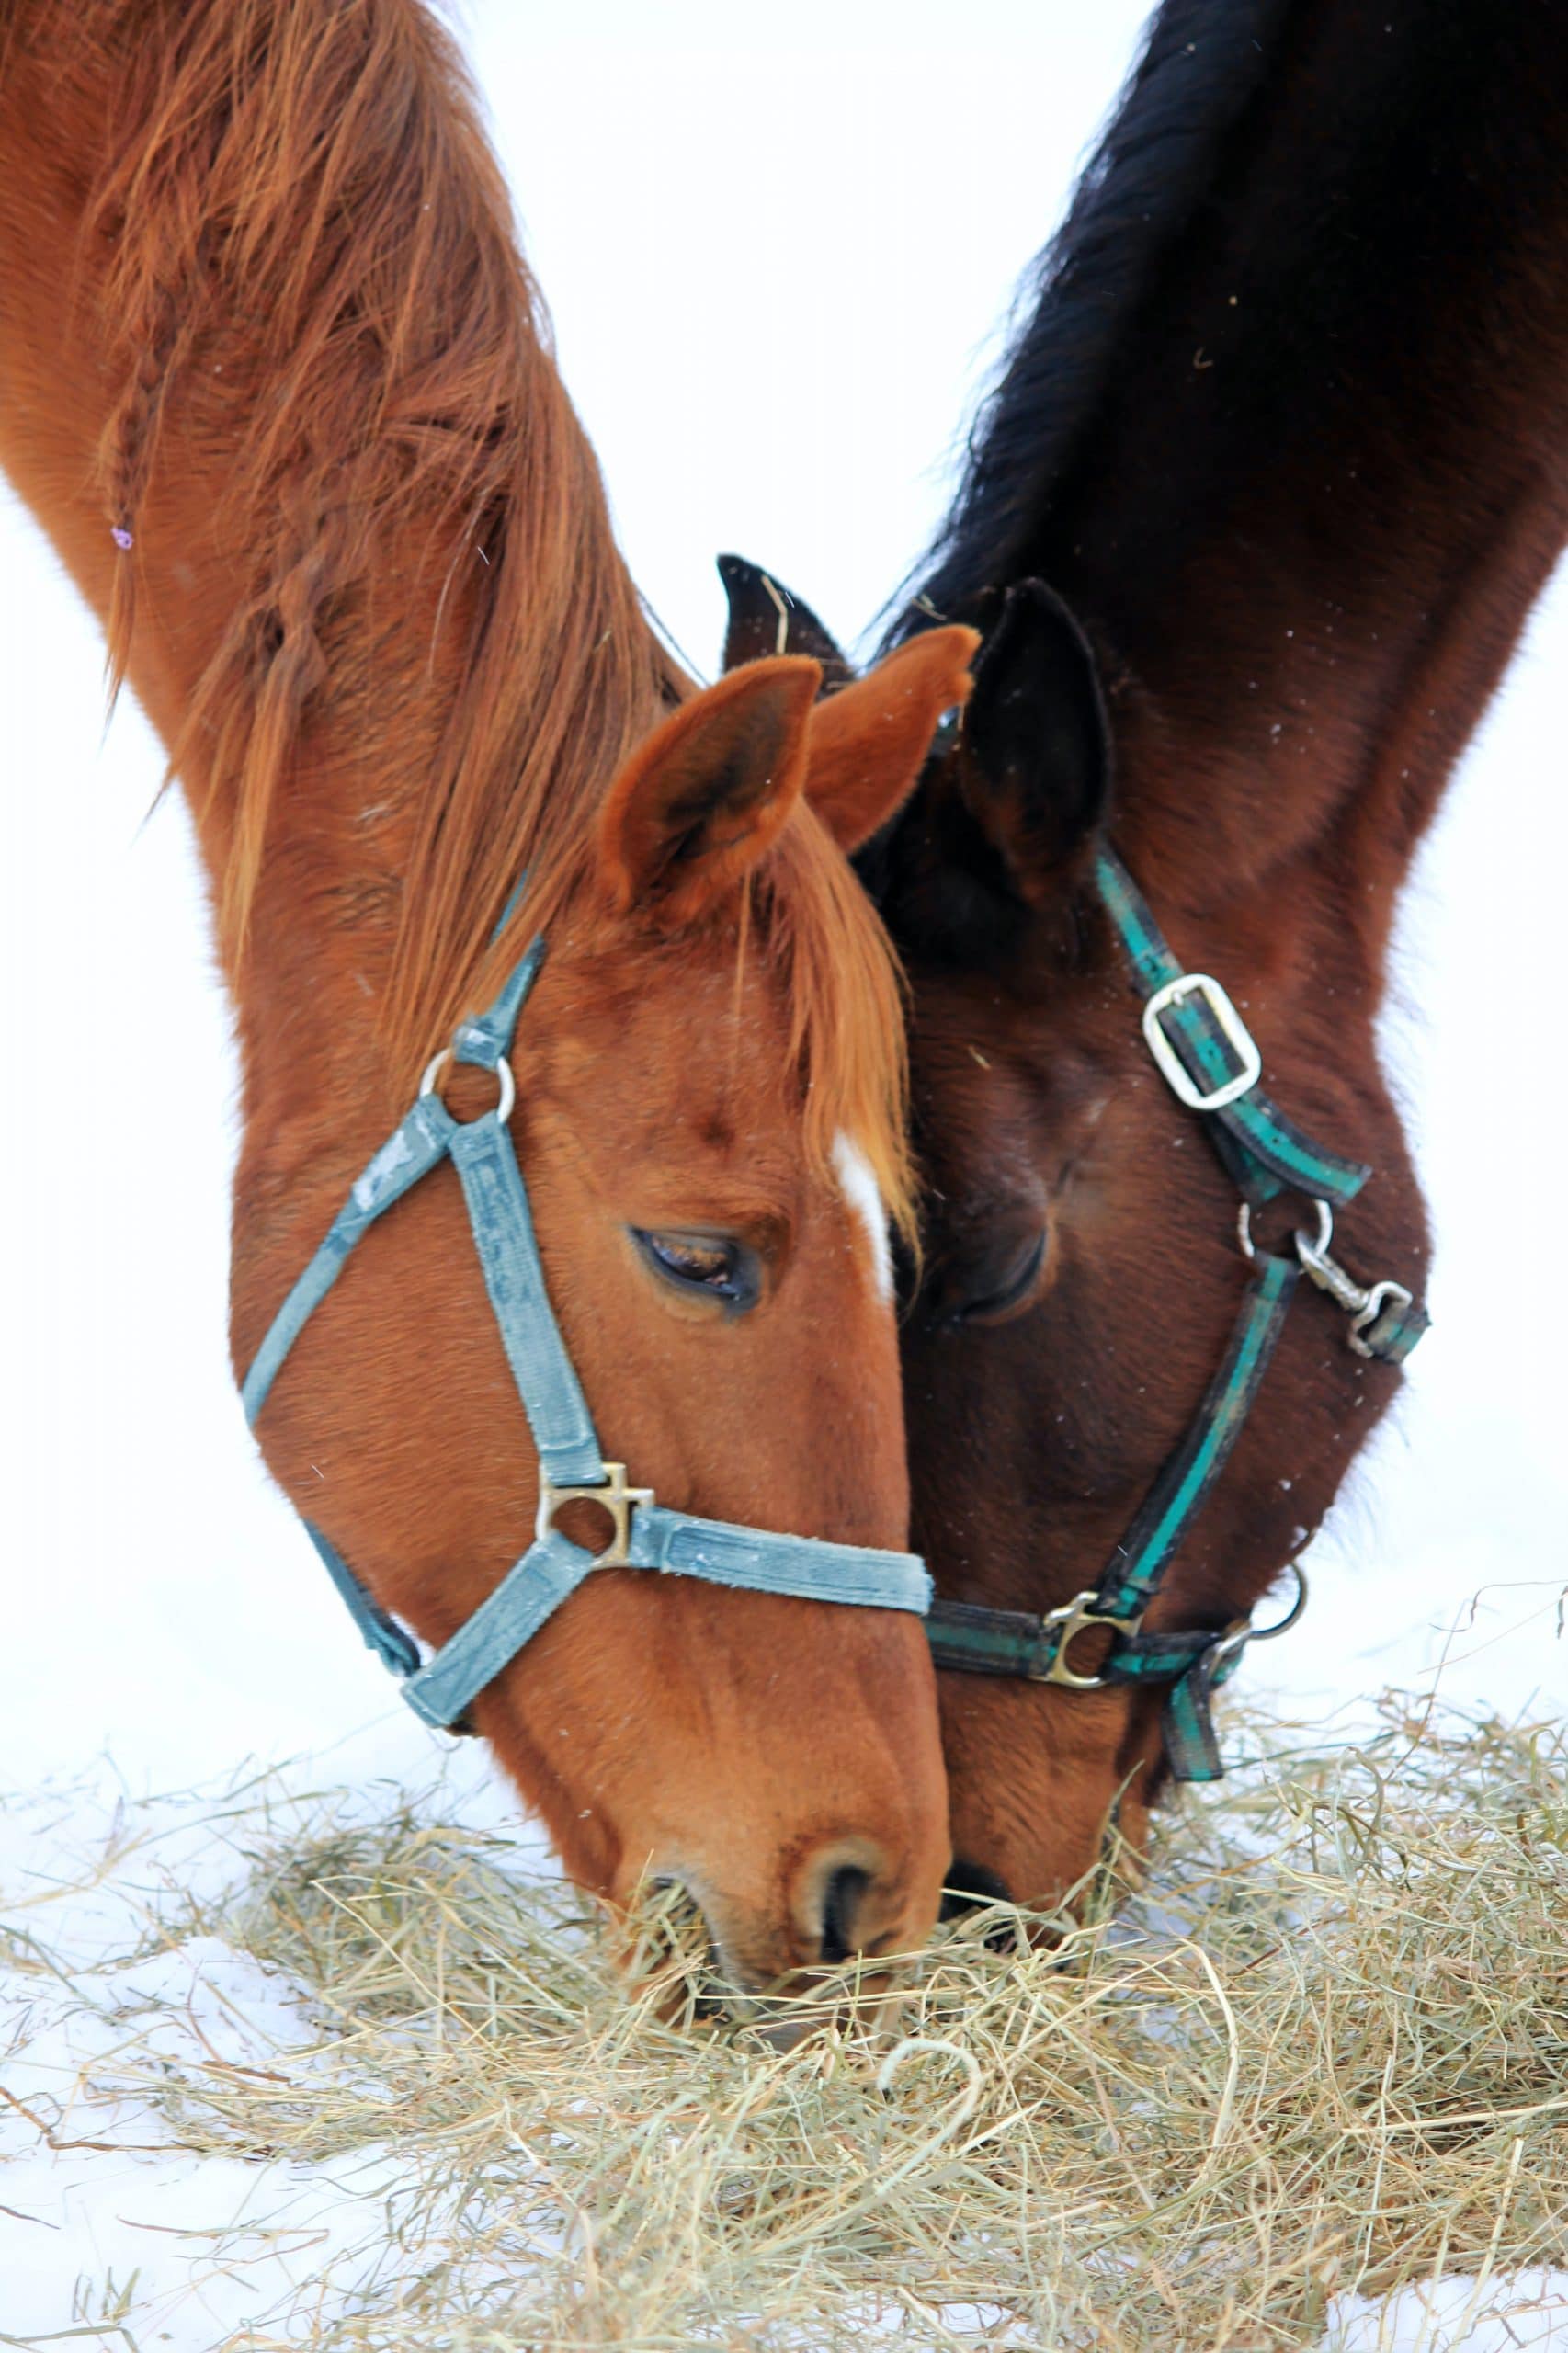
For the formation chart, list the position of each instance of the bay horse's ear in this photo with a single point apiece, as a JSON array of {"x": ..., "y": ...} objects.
[
  {"x": 766, "y": 618},
  {"x": 1036, "y": 746},
  {"x": 870, "y": 741},
  {"x": 709, "y": 792}
]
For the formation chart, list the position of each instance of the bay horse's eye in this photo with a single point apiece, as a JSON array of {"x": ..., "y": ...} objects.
[
  {"x": 994, "y": 1289},
  {"x": 711, "y": 1265}
]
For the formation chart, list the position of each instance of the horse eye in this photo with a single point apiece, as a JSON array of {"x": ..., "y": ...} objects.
[
  {"x": 713, "y": 1266},
  {"x": 995, "y": 1294}
]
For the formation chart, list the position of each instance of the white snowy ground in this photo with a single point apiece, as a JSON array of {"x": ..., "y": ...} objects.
[{"x": 776, "y": 265}]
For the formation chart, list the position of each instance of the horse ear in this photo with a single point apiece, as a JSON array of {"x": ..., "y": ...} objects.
[
  {"x": 709, "y": 792},
  {"x": 766, "y": 618},
  {"x": 1036, "y": 749},
  {"x": 870, "y": 741}
]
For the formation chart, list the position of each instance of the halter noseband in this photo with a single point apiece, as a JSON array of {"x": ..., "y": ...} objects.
[
  {"x": 1205, "y": 1052},
  {"x": 645, "y": 1535}
]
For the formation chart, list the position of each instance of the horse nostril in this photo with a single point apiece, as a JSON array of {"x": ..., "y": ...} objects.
[
  {"x": 841, "y": 1903},
  {"x": 969, "y": 1887}
]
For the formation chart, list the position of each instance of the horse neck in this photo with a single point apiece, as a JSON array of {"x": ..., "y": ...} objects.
[
  {"x": 1317, "y": 484},
  {"x": 300, "y": 631}
]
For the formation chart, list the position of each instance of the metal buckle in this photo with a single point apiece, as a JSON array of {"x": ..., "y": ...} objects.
[
  {"x": 1233, "y": 1029},
  {"x": 620, "y": 1500},
  {"x": 1072, "y": 1619}
]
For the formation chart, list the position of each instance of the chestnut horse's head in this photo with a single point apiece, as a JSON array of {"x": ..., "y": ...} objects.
[
  {"x": 1081, "y": 1275},
  {"x": 709, "y": 1121}
]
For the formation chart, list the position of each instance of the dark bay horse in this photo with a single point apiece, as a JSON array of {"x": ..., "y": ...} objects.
[
  {"x": 275, "y": 381},
  {"x": 1271, "y": 477}
]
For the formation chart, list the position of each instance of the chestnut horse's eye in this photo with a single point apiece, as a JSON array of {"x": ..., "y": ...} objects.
[
  {"x": 989, "y": 1292},
  {"x": 710, "y": 1266}
]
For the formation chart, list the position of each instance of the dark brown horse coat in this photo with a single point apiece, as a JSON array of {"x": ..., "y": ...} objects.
[{"x": 1284, "y": 436}]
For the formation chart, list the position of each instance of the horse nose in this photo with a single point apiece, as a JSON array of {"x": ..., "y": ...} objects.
[{"x": 846, "y": 1901}]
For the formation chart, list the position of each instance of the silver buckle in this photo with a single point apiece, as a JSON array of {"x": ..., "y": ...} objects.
[
  {"x": 620, "y": 1500},
  {"x": 1233, "y": 1029},
  {"x": 1072, "y": 1619}
]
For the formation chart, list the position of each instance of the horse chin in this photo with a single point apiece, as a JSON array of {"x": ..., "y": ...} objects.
[{"x": 1046, "y": 1788}]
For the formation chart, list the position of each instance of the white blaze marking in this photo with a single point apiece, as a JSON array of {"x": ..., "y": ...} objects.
[{"x": 858, "y": 1187}]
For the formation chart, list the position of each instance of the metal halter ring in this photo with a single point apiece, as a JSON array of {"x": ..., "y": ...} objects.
[
  {"x": 509, "y": 1084},
  {"x": 1231, "y": 1644},
  {"x": 1309, "y": 1252}
]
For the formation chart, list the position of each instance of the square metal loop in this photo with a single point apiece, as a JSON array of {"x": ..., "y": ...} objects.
[
  {"x": 1231, "y": 1027},
  {"x": 616, "y": 1498}
]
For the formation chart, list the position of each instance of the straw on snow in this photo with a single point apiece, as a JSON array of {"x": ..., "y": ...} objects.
[{"x": 1325, "y": 2047}]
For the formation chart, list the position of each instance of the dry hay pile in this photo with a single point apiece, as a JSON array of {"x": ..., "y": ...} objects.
[{"x": 1326, "y": 2047}]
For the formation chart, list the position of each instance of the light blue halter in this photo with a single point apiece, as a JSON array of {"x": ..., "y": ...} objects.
[{"x": 645, "y": 1535}]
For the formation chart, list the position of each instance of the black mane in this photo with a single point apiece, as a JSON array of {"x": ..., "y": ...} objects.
[{"x": 1201, "y": 61}]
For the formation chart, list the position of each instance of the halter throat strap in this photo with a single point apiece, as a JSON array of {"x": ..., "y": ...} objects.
[{"x": 646, "y": 1535}]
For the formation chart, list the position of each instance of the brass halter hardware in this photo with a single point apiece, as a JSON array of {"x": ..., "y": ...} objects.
[{"x": 613, "y": 1495}]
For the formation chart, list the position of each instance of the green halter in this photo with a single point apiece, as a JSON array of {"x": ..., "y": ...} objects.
[{"x": 1206, "y": 1054}]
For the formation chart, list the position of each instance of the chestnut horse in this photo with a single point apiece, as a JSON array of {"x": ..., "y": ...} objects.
[
  {"x": 275, "y": 381},
  {"x": 1268, "y": 484}
]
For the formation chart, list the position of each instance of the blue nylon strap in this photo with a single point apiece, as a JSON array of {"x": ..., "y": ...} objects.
[
  {"x": 551, "y": 1569},
  {"x": 765, "y": 1562},
  {"x": 1265, "y": 1152},
  {"x": 418, "y": 1144},
  {"x": 504, "y": 1235},
  {"x": 382, "y": 1635},
  {"x": 483, "y": 1040}
]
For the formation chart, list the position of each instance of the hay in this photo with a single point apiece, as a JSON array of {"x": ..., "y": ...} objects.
[{"x": 1324, "y": 2049}]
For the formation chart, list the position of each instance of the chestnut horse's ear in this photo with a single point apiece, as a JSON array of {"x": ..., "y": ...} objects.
[
  {"x": 870, "y": 741},
  {"x": 766, "y": 618},
  {"x": 1036, "y": 750},
  {"x": 709, "y": 792}
]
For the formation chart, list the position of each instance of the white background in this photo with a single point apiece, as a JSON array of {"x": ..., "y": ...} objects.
[{"x": 776, "y": 258}]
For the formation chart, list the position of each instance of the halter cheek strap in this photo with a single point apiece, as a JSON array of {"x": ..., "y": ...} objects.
[
  {"x": 645, "y": 1535},
  {"x": 1208, "y": 1057}
]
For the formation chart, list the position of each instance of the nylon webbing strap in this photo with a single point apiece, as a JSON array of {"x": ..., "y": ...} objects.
[
  {"x": 1264, "y": 1153},
  {"x": 553, "y": 1567},
  {"x": 974, "y": 1640},
  {"x": 1133, "y": 1572},
  {"x": 504, "y": 1235},
  {"x": 803, "y": 1566},
  {"x": 413, "y": 1149}
]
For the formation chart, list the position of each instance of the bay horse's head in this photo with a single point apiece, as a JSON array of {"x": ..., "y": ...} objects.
[
  {"x": 1081, "y": 1276},
  {"x": 710, "y": 1120}
]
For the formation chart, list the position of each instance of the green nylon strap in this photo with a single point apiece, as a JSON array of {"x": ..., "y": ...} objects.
[{"x": 1136, "y": 1569}]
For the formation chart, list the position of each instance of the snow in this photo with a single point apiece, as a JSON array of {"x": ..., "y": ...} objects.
[
  {"x": 165, "y": 1618},
  {"x": 1456, "y": 2316}
]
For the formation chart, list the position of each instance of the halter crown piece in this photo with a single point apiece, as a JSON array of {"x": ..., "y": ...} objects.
[
  {"x": 1208, "y": 1058},
  {"x": 441, "y": 1689}
]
